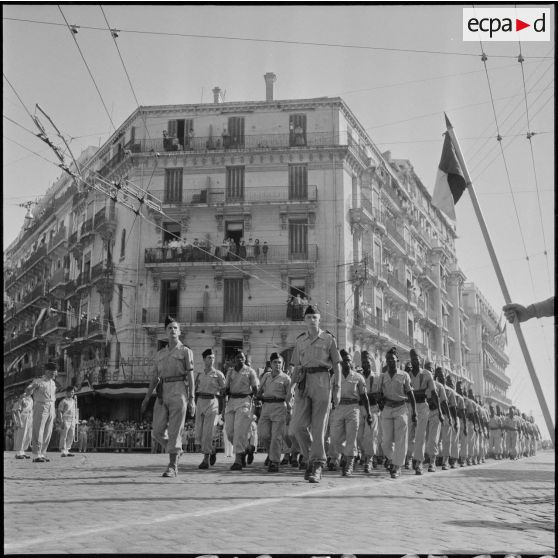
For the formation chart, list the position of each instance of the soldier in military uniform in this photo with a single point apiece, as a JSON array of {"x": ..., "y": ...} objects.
[
  {"x": 396, "y": 390},
  {"x": 494, "y": 434},
  {"x": 367, "y": 437},
  {"x": 275, "y": 393},
  {"x": 173, "y": 374},
  {"x": 461, "y": 414},
  {"x": 209, "y": 385},
  {"x": 314, "y": 355},
  {"x": 345, "y": 417},
  {"x": 474, "y": 428},
  {"x": 22, "y": 415},
  {"x": 436, "y": 419},
  {"x": 422, "y": 384},
  {"x": 241, "y": 384},
  {"x": 484, "y": 434},
  {"x": 450, "y": 428},
  {"x": 43, "y": 391},
  {"x": 67, "y": 416}
]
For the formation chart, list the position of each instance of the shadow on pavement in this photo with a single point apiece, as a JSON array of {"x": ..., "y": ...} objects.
[
  {"x": 497, "y": 475},
  {"x": 519, "y": 526}
]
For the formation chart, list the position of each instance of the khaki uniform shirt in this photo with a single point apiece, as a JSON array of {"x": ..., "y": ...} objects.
[
  {"x": 318, "y": 352},
  {"x": 423, "y": 381},
  {"x": 352, "y": 386},
  {"x": 451, "y": 397},
  {"x": 278, "y": 386},
  {"x": 211, "y": 382},
  {"x": 495, "y": 423},
  {"x": 396, "y": 388},
  {"x": 67, "y": 408},
  {"x": 373, "y": 382},
  {"x": 441, "y": 392},
  {"x": 43, "y": 391},
  {"x": 241, "y": 381},
  {"x": 174, "y": 362}
]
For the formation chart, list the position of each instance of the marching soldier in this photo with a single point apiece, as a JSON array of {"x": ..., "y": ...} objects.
[
  {"x": 422, "y": 384},
  {"x": 209, "y": 386},
  {"x": 67, "y": 417},
  {"x": 495, "y": 433},
  {"x": 450, "y": 428},
  {"x": 173, "y": 374},
  {"x": 435, "y": 419},
  {"x": 462, "y": 414},
  {"x": 367, "y": 437},
  {"x": 43, "y": 391},
  {"x": 275, "y": 393},
  {"x": 472, "y": 426},
  {"x": 345, "y": 417},
  {"x": 241, "y": 384},
  {"x": 314, "y": 355},
  {"x": 395, "y": 388},
  {"x": 511, "y": 426},
  {"x": 22, "y": 415}
]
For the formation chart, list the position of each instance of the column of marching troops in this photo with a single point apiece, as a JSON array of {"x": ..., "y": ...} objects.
[{"x": 323, "y": 414}]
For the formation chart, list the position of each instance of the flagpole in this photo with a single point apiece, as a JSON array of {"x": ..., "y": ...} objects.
[{"x": 501, "y": 280}]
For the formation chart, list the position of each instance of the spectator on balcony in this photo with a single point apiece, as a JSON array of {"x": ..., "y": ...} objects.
[
  {"x": 191, "y": 138},
  {"x": 290, "y": 307},
  {"x": 257, "y": 250},
  {"x": 224, "y": 251},
  {"x": 242, "y": 250},
  {"x": 299, "y": 135},
  {"x": 226, "y": 138},
  {"x": 265, "y": 250},
  {"x": 250, "y": 250}
]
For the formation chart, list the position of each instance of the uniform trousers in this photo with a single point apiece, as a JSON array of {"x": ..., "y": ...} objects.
[
  {"x": 417, "y": 433},
  {"x": 43, "y": 421},
  {"x": 433, "y": 434},
  {"x": 345, "y": 421},
  {"x": 394, "y": 433},
  {"x": 207, "y": 411},
  {"x": 310, "y": 417},
  {"x": 454, "y": 440},
  {"x": 472, "y": 440},
  {"x": 271, "y": 428},
  {"x": 22, "y": 436},
  {"x": 446, "y": 435},
  {"x": 367, "y": 436},
  {"x": 495, "y": 441},
  {"x": 67, "y": 433},
  {"x": 482, "y": 445},
  {"x": 238, "y": 418},
  {"x": 168, "y": 421},
  {"x": 82, "y": 442},
  {"x": 464, "y": 439}
]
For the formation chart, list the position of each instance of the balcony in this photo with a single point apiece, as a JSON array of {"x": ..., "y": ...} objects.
[
  {"x": 23, "y": 376},
  {"x": 73, "y": 239},
  {"x": 87, "y": 233},
  {"x": 195, "y": 254},
  {"x": 83, "y": 280},
  {"x": 432, "y": 316},
  {"x": 57, "y": 282},
  {"x": 498, "y": 397},
  {"x": 386, "y": 329},
  {"x": 218, "y": 315},
  {"x": 113, "y": 163},
  {"x": 35, "y": 258},
  {"x": 394, "y": 237},
  {"x": 397, "y": 285},
  {"x": 104, "y": 221},
  {"x": 52, "y": 324},
  {"x": 494, "y": 372}
]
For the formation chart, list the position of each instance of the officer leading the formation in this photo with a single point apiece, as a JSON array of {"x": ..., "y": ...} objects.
[
  {"x": 173, "y": 374},
  {"x": 315, "y": 354}
]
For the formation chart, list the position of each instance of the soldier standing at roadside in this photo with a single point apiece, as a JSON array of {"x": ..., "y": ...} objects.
[
  {"x": 173, "y": 373},
  {"x": 67, "y": 416},
  {"x": 314, "y": 355},
  {"x": 395, "y": 388}
]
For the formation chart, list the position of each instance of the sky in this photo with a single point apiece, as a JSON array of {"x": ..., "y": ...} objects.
[{"x": 398, "y": 67}]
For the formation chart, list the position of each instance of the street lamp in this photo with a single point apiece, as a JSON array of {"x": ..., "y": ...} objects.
[{"x": 29, "y": 218}]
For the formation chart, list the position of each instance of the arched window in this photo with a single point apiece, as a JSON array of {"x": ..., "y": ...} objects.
[{"x": 123, "y": 243}]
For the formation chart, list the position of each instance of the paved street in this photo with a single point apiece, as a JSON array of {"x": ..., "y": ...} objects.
[{"x": 116, "y": 503}]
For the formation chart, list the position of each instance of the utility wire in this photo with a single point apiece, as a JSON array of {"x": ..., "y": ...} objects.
[{"x": 271, "y": 41}]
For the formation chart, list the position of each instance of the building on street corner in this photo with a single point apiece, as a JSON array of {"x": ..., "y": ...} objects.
[{"x": 265, "y": 206}]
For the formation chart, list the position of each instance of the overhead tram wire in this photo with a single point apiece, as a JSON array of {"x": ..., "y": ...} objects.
[
  {"x": 530, "y": 138},
  {"x": 272, "y": 41},
  {"x": 87, "y": 66},
  {"x": 18, "y": 97}
]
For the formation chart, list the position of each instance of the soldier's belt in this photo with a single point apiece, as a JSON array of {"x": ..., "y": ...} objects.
[
  {"x": 206, "y": 396},
  {"x": 372, "y": 398},
  {"x": 315, "y": 369},
  {"x": 470, "y": 416},
  {"x": 273, "y": 400},
  {"x": 348, "y": 401},
  {"x": 420, "y": 396},
  {"x": 174, "y": 379},
  {"x": 239, "y": 395},
  {"x": 494, "y": 428},
  {"x": 390, "y": 403}
]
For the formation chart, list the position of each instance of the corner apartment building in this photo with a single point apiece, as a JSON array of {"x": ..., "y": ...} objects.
[
  {"x": 345, "y": 225},
  {"x": 488, "y": 358}
]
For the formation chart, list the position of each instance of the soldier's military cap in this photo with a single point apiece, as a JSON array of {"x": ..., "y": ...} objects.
[
  {"x": 311, "y": 309},
  {"x": 207, "y": 352},
  {"x": 51, "y": 365},
  {"x": 275, "y": 356},
  {"x": 169, "y": 320},
  {"x": 344, "y": 354},
  {"x": 68, "y": 389},
  {"x": 449, "y": 381}
]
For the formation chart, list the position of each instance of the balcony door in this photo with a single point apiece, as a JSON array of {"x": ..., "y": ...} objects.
[
  {"x": 169, "y": 300},
  {"x": 298, "y": 182},
  {"x": 298, "y": 239},
  {"x": 234, "y": 296},
  {"x": 236, "y": 131}
]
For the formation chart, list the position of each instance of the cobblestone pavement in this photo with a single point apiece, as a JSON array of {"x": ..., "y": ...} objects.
[{"x": 119, "y": 503}]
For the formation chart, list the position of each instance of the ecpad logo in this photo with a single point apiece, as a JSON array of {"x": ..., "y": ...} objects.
[{"x": 506, "y": 24}]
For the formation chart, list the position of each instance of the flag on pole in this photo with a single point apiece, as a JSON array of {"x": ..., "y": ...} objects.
[{"x": 450, "y": 180}]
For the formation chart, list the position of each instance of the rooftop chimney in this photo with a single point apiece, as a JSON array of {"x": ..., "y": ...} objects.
[
  {"x": 216, "y": 95},
  {"x": 270, "y": 79}
]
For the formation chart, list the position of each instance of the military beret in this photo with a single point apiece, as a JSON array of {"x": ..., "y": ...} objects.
[
  {"x": 51, "y": 365},
  {"x": 344, "y": 354},
  {"x": 275, "y": 356},
  {"x": 169, "y": 320},
  {"x": 69, "y": 388},
  {"x": 449, "y": 380},
  {"x": 238, "y": 351},
  {"x": 207, "y": 352},
  {"x": 413, "y": 352},
  {"x": 311, "y": 310},
  {"x": 392, "y": 351},
  {"x": 364, "y": 354}
]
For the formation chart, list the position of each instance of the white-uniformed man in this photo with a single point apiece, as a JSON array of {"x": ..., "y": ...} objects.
[
  {"x": 67, "y": 416},
  {"x": 22, "y": 414},
  {"x": 43, "y": 391}
]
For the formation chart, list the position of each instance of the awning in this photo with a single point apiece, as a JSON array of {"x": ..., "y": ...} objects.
[
  {"x": 85, "y": 390},
  {"x": 123, "y": 390}
]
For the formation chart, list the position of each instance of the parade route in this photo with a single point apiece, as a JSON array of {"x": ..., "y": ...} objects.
[{"x": 119, "y": 503}]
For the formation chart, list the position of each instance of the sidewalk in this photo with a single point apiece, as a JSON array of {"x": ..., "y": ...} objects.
[{"x": 119, "y": 503}]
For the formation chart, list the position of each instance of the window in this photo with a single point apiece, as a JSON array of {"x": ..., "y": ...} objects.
[
  {"x": 236, "y": 131},
  {"x": 173, "y": 185},
  {"x": 123, "y": 243},
  {"x": 171, "y": 231},
  {"x": 235, "y": 184},
  {"x": 169, "y": 299},
  {"x": 233, "y": 300},
  {"x": 120, "y": 298},
  {"x": 297, "y": 130},
  {"x": 377, "y": 255},
  {"x": 298, "y": 239},
  {"x": 179, "y": 129},
  {"x": 87, "y": 267},
  {"x": 298, "y": 182}
]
